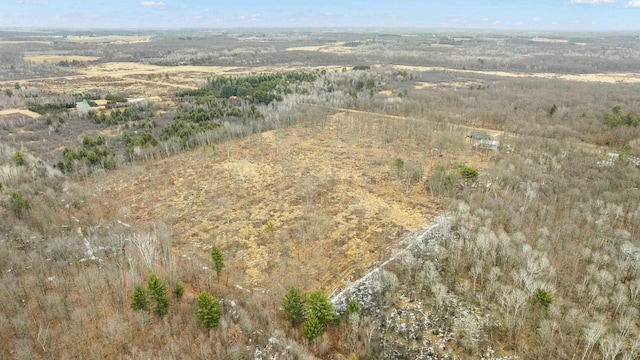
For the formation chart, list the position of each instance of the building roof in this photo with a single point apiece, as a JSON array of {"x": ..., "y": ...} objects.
[{"x": 488, "y": 144}]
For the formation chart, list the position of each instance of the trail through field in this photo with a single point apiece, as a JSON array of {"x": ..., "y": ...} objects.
[
  {"x": 491, "y": 131},
  {"x": 412, "y": 240}
]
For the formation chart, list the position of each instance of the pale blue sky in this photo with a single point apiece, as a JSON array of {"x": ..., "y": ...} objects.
[{"x": 466, "y": 14}]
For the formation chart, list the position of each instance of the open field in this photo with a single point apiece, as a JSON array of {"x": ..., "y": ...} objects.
[
  {"x": 28, "y": 113},
  {"x": 109, "y": 39},
  {"x": 336, "y": 48},
  {"x": 58, "y": 58},
  {"x": 334, "y": 189},
  {"x": 612, "y": 78}
]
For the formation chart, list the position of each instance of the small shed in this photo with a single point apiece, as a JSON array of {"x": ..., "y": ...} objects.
[
  {"x": 83, "y": 107},
  {"x": 479, "y": 135}
]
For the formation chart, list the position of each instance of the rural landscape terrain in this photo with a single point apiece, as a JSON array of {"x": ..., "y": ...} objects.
[{"x": 299, "y": 194}]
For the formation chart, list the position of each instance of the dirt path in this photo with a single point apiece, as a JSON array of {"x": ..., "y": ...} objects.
[
  {"x": 410, "y": 241},
  {"x": 363, "y": 112}
]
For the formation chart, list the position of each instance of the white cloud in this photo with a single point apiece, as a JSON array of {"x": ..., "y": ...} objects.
[
  {"x": 634, "y": 3},
  {"x": 153, "y": 4},
  {"x": 593, "y": 1}
]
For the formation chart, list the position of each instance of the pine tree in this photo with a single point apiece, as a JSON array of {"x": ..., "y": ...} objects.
[
  {"x": 208, "y": 312},
  {"x": 158, "y": 293},
  {"x": 139, "y": 301},
  {"x": 319, "y": 307},
  {"x": 178, "y": 291},
  {"x": 312, "y": 329},
  {"x": 218, "y": 261},
  {"x": 293, "y": 306}
]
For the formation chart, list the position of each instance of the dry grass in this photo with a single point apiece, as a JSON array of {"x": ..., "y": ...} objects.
[
  {"x": 132, "y": 78},
  {"x": 28, "y": 113},
  {"x": 419, "y": 85},
  {"x": 109, "y": 39},
  {"x": 332, "y": 196},
  {"x": 613, "y": 78},
  {"x": 335, "y": 48},
  {"x": 58, "y": 58}
]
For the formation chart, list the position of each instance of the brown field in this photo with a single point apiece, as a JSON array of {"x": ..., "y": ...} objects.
[
  {"x": 110, "y": 39},
  {"x": 419, "y": 85},
  {"x": 28, "y": 113},
  {"x": 8, "y": 42},
  {"x": 335, "y": 48},
  {"x": 334, "y": 191},
  {"x": 613, "y": 78},
  {"x": 58, "y": 58},
  {"x": 131, "y": 78}
]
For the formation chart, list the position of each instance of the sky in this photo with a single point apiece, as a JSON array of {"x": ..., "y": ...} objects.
[{"x": 573, "y": 15}]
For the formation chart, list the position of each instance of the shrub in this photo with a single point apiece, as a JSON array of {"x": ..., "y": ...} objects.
[
  {"x": 19, "y": 158},
  {"x": 468, "y": 173},
  {"x": 18, "y": 203},
  {"x": 543, "y": 300},
  {"x": 178, "y": 291}
]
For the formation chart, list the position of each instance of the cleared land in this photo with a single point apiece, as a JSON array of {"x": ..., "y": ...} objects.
[
  {"x": 339, "y": 190},
  {"x": 336, "y": 48},
  {"x": 613, "y": 78},
  {"x": 28, "y": 113},
  {"x": 58, "y": 58}
]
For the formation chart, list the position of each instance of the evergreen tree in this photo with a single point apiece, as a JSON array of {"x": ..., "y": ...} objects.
[
  {"x": 543, "y": 299},
  {"x": 158, "y": 293},
  {"x": 312, "y": 329},
  {"x": 208, "y": 312},
  {"x": 139, "y": 301},
  {"x": 319, "y": 307},
  {"x": 293, "y": 306},
  {"x": 178, "y": 291},
  {"x": 218, "y": 261}
]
